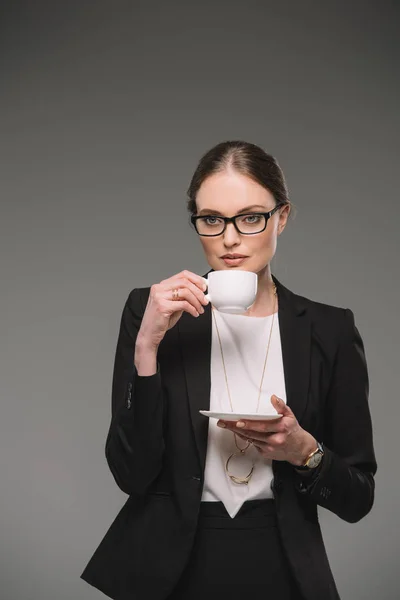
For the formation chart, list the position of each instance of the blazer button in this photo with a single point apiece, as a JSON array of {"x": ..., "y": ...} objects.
[
  {"x": 302, "y": 488},
  {"x": 195, "y": 477}
]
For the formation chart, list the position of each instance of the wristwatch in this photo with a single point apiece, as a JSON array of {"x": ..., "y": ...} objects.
[{"x": 313, "y": 459}]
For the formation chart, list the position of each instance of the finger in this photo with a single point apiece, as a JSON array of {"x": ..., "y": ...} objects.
[
  {"x": 199, "y": 281},
  {"x": 198, "y": 286},
  {"x": 187, "y": 291},
  {"x": 260, "y": 446},
  {"x": 182, "y": 283},
  {"x": 252, "y": 425},
  {"x": 181, "y": 305},
  {"x": 280, "y": 406},
  {"x": 265, "y": 450},
  {"x": 263, "y": 446},
  {"x": 246, "y": 439},
  {"x": 173, "y": 306},
  {"x": 255, "y": 436}
]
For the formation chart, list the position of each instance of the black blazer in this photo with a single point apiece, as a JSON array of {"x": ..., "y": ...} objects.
[{"x": 157, "y": 440}]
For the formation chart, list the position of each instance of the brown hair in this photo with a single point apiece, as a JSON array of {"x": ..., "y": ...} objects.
[{"x": 245, "y": 158}]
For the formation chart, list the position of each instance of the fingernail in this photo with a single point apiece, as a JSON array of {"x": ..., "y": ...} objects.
[
  {"x": 221, "y": 424},
  {"x": 240, "y": 424}
]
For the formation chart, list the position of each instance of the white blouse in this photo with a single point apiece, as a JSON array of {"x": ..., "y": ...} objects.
[{"x": 244, "y": 343}]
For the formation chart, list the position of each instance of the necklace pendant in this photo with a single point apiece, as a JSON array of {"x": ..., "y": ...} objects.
[{"x": 235, "y": 478}]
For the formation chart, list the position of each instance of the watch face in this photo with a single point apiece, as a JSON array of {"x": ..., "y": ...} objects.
[{"x": 315, "y": 460}]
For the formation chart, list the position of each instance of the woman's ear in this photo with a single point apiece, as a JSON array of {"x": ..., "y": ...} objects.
[{"x": 283, "y": 217}]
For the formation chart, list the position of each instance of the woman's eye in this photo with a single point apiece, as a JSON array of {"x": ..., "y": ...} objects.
[
  {"x": 211, "y": 220},
  {"x": 252, "y": 218}
]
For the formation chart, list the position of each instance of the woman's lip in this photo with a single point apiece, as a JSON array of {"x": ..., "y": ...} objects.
[{"x": 234, "y": 261}]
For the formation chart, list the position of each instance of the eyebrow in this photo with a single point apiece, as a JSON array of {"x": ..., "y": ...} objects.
[{"x": 242, "y": 210}]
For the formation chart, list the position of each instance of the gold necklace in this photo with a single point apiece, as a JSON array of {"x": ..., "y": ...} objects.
[{"x": 234, "y": 478}]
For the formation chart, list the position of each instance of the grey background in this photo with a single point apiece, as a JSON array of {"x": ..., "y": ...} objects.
[{"x": 106, "y": 108}]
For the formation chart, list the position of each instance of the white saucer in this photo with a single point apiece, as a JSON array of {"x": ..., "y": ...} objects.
[{"x": 239, "y": 416}]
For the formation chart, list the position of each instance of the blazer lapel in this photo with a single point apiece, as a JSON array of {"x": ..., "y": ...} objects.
[{"x": 195, "y": 338}]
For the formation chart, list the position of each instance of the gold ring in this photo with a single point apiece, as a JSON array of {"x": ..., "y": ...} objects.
[{"x": 175, "y": 294}]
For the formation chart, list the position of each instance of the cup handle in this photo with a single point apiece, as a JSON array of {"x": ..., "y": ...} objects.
[{"x": 206, "y": 295}]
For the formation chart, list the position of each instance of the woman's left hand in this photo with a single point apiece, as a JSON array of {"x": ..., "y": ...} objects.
[{"x": 279, "y": 439}]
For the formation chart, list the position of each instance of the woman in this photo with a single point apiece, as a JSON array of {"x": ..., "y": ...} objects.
[{"x": 228, "y": 507}]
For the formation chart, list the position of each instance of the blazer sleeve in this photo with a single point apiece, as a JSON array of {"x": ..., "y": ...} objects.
[
  {"x": 345, "y": 482},
  {"x": 135, "y": 443}
]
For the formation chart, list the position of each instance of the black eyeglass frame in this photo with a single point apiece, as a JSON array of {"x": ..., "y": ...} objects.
[{"x": 266, "y": 215}]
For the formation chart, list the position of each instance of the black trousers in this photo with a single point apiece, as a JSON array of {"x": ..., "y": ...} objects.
[{"x": 237, "y": 558}]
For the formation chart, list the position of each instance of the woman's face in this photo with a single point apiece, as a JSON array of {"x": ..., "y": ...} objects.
[{"x": 229, "y": 193}]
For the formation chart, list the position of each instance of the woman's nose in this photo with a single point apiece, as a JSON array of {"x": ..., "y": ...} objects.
[{"x": 231, "y": 234}]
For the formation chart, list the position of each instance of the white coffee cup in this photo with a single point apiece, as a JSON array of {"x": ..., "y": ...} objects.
[{"x": 232, "y": 291}]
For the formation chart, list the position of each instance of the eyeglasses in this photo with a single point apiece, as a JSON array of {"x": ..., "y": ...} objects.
[{"x": 246, "y": 224}]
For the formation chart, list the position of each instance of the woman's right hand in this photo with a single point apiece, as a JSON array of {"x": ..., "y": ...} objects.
[{"x": 162, "y": 312}]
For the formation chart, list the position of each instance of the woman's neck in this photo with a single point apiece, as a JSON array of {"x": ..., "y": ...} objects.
[{"x": 265, "y": 303}]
